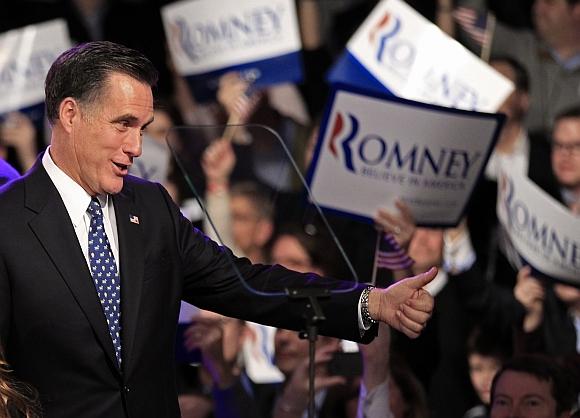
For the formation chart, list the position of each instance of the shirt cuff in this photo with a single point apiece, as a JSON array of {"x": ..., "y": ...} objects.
[{"x": 458, "y": 253}]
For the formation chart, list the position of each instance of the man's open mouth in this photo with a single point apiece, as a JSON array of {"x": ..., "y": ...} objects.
[{"x": 123, "y": 167}]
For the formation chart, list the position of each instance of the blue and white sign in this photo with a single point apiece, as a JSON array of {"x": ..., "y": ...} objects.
[
  {"x": 399, "y": 51},
  {"x": 545, "y": 234},
  {"x": 259, "y": 38},
  {"x": 375, "y": 148},
  {"x": 26, "y": 55}
]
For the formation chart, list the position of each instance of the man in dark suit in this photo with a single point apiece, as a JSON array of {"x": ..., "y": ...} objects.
[{"x": 93, "y": 263}]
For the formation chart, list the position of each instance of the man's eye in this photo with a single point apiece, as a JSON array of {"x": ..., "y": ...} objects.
[
  {"x": 532, "y": 403},
  {"x": 500, "y": 402}
]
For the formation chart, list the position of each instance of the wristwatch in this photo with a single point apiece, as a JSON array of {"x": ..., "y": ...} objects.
[{"x": 367, "y": 319}]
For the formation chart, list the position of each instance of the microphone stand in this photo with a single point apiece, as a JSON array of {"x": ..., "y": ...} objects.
[{"x": 313, "y": 315}]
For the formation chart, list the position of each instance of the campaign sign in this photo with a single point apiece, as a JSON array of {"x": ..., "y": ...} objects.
[
  {"x": 259, "y": 38},
  {"x": 545, "y": 234},
  {"x": 399, "y": 51},
  {"x": 373, "y": 149},
  {"x": 26, "y": 55}
]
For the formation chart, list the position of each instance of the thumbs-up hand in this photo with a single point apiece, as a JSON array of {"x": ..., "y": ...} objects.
[{"x": 405, "y": 305}]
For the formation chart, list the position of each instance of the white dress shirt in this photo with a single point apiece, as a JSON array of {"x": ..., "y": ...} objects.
[
  {"x": 76, "y": 200},
  {"x": 519, "y": 158},
  {"x": 458, "y": 252}
]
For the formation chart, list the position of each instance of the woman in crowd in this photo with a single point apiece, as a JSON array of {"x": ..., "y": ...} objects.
[{"x": 16, "y": 399}]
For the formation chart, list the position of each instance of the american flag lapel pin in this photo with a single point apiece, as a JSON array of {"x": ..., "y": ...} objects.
[{"x": 134, "y": 219}]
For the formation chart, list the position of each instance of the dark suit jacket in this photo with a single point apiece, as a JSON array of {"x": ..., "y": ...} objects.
[{"x": 51, "y": 321}]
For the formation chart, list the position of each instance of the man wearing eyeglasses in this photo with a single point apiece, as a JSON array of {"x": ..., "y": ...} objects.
[{"x": 566, "y": 156}]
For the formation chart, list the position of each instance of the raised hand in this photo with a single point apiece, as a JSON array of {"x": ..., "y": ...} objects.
[
  {"x": 294, "y": 399},
  {"x": 530, "y": 293},
  {"x": 401, "y": 225},
  {"x": 207, "y": 335},
  {"x": 218, "y": 161},
  {"x": 19, "y": 132},
  {"x": 234, "y": 97}
]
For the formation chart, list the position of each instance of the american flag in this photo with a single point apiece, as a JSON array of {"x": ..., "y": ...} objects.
[
  {"x": 474, "y": 23},
  {"x": 390, "y": 255}
]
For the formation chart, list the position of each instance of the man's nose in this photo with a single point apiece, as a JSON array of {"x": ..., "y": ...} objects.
[
  {"x": 132, "y": 145},
  {"x": 516, "y": 411}
]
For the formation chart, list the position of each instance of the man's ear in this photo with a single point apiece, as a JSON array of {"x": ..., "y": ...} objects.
[
  {"x": 524, "y": 102},
  {"x": 68, "y": 111}
]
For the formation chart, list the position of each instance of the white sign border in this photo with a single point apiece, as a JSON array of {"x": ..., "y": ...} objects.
[{"x": 336, "y": 88}]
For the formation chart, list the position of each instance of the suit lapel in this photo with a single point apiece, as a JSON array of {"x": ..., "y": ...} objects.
[
  {"x": 132, "y": 262},
  {"x": 53, "y": 228}
]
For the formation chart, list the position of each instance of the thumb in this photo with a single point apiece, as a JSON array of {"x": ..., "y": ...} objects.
[
  {"x": 422, "y": 279},
  {"x": 524, "y": 273}
]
